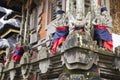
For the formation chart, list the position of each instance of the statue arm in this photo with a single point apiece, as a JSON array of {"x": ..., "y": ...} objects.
[
  {"x": 88, "y": 20},
  {"x": 71, "y": 20},
  {"x": 94, "y": 21},
  {"x": 110, "y": 20}
]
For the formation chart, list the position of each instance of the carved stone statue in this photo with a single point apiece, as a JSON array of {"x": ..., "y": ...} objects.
[
  {"x": 103, "y": 19},
  {"x": 62, "y": 30},
  {"x": 58, "y": 30},
  {"x": 17, "y": 51},
  {"x": 106, "y": 19},
  {"x": 102, "y": 29},
  {"x": 80, "y": 22}
]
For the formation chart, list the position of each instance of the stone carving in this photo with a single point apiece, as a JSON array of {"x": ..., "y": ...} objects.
[
  {"x": 25, "y": 58},
  {"x": 77, "y": 77},
  {"x": 42, "y": 53},
  {"x": 76, "y": 16},
  {"x": 25, "y": 68},
  {"x": 95, "y": 8},
  {"x": 79, "y": 39},
  {"x": 55, "y": 30},
  {"x": 12, "y": 74},
  {"x": 77, "y": 50},
  {"x": 44, "y": 65},
  {"x": 63, "y": 76},
  {"x": 103, "y": 22},
  {"x": 103, "y": 19},
  {"x": 79, "y": 21},
  {"x": 74, "y": 5},
  {"x": 79, "y": 60}
]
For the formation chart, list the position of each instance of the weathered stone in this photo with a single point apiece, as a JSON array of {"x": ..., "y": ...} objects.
[{"x": 44, "y": 65}]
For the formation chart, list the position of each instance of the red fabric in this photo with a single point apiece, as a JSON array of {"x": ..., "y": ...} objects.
[
  {"x": 108, "y": 45},
  {"x": 62, "y": 28},
  {"x": 17, "y": 53},
  {"x": 61, "y": 40},
  {"x": 57, "y": 43},
  {"x": 100, "y": 27},
  {"x": 16, "y": 58}
]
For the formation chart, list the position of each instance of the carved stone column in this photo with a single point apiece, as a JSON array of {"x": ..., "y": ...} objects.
[
  {"x": 75, "y": 5},
  {"x": 26, "y": 27},
  {"x": 80, "y": 6},
  {"x": 67, "y": 5},
  {"x": 94, "y": 7}
]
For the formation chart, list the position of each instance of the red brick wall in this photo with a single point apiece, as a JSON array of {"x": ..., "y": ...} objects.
[{"x": 43, "y": 22}]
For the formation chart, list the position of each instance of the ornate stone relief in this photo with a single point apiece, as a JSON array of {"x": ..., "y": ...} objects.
[
  {"x": 94, "y": 7},
  {"x": 44, "y": 65},
  {"x": 12, "y": 74},
  {"x": 79, "y": 59},
  {"x": 63, "y": 76},
  {"x": 25, "y": 58},
  {"x": 25, "y": 67},
  {"x": 77, "y": 39},
  {"x": 42, "y": 53},
  {"x": 77, "y": 51}
]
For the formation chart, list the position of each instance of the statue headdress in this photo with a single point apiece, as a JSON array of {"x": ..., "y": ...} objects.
[
  {"x": 103, "y": 9},
  {"x": 60, "y": 12}
]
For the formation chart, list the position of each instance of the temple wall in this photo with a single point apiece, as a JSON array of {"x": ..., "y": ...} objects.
[{"x": 43, "y": 21}]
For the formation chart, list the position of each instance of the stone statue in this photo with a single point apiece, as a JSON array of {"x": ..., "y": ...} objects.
[
  {"x": 62, "y": 30},
  {"x": 80, "y": 22},
  {"x": 18, "y": 51},
  {"x": 102, "y": 29},
  {"x": 106, "y": 19},
  {"x": 58, "y": 30},
  {"x": 103, "y": 19}
]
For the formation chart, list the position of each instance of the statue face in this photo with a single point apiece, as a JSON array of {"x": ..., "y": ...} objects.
[
  {"x": 104, "y": 13},
  {"x": 79, "y": 15},
  {"x": 58, "y": 16}
]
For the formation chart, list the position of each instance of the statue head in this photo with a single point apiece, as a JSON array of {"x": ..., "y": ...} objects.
[
  {"x": 59, "y": 13},
  {"x": 103, "y": 10},
  {"x": 79, "y": 15}
]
